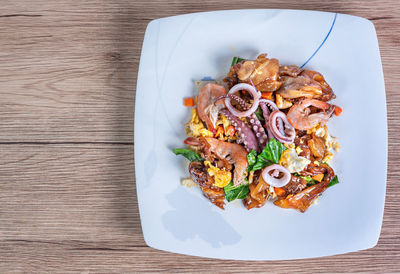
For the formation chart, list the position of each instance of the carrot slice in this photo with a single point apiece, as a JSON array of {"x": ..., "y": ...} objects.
[
  {"x": 220, "y": 131},
  {"x": 318, "y": 177},
  {"x": 338, "y": 110},
  {"x": 188, "y": 102},
  {"x": 266, "y": 95},
  {"x": 279, "y": 191}
]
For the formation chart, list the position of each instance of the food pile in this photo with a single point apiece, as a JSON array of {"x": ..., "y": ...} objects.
[{"x": 261, "y": 135}]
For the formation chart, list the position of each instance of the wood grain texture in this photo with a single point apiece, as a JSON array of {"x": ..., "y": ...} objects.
[{"x": 67, "y": 89}]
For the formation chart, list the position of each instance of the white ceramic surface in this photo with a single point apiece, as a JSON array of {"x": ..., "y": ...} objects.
[{"x": 181, "y": 49}]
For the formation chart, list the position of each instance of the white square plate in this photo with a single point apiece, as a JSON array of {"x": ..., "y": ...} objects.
[{"x": 181, "y": 49}]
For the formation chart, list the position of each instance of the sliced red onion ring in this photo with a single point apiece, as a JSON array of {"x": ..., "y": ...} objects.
[
  {"x": 251, "y": 82},
  {"x": 281, "y": 134},
  {"x": 267, "y": 106},
  {"x": 270, "y": 104},
  {"x": 272, "y": 179},
  {"x": 254, "y": 93}
]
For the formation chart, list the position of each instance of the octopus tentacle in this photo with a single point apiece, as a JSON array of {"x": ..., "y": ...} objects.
[
  {"x": 242, "y": 103},
  {"x": 246, "y": 135},
  {"x": 255, "y": 123},
  {"x": 266, "y": 113},
  {"x": 258, "y": 130}
]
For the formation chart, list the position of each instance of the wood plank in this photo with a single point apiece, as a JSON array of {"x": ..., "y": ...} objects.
[
  {"x": 39, "y": 257},
  {"x": 68, "y": 193},
  {"x": 66, "y": 75},
  {"x": 69, "y": 71},
  {"x": 73, "y": 207}
]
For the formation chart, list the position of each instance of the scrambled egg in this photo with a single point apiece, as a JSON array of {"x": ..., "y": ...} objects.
[
  {"x": 330, "y": 142},
  {"x": 322, "y": 131},
  {"x": 221, "y": 176},
  {"x": 289, "y": 146},
  {"x": 328, "y": 157},
  {"x": 299, "y": 150},
  {"x": 223, "y": 121},
  {"x": 195, "y": 127},
  {"x": 281, "y": 103},
  {"x": 292, "y": 161}
]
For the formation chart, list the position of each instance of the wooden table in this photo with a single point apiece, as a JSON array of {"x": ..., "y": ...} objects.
[{"x": 67, "y": 96}]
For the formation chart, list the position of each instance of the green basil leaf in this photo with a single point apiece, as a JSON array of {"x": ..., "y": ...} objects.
[
  {"x": 188, "y": 153},
  {"x": 334, "y": 181},
  {"x": 270, "y": 155},
  {"x": 310, "y": 181},
  {"x": 260, "y": 164},
  {"x": 236, "y": 60},
  {"x": 251, "y": 159},
  {"x": 236, "y": 192},
  {"x": 275, "y": 150},
  {"x": 260, "y": 115}
]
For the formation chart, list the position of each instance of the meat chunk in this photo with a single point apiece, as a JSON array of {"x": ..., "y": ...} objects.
[
  {"x": 302, "y": 143},
  {"x": 292, "y": 70},
  {"x": 231, "y": 78},
  {"x": 262, "y": 72},
  {"x": 199, "y": 174},
  {"x": 327, "y": 92},
  {"x": 317, "y": 147},
  {"x": 298, "y": 87},
  {"x": 315, "y": 169},
  {"x": 207, "y": 154},
  {"x": 295, "y": 185},
  {"x": 303, "y": 199},
  {"x": 258, "y": 194}
]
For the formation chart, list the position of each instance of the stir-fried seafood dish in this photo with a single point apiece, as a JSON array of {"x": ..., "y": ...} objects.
[{"x": 261, "y": 135}]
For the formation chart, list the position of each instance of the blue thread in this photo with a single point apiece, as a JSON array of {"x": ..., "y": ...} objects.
[{"x": 326, "y": 37}]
